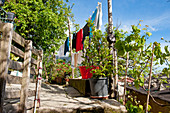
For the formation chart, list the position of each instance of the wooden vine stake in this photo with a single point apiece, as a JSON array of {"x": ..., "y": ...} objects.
[
  {"x": 150, "y": 74},
  {"x": 125, "y": 81}
]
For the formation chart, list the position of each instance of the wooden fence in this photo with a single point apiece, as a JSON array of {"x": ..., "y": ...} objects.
[{"x": 29, "y": 65}]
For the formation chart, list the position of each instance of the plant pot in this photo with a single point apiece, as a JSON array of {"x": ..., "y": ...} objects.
[
  {"x": 59, "y": 80},
  {"x": 99, "y": 88},
  {"x": 2, "y": 2},
  {"x": 85, "y": 73},
  {"x": 66, "y": 79},
  {"x": 10, "y": 16}
]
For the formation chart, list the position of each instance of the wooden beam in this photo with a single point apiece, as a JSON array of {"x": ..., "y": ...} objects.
[
  {"x": 33, "y": 61},
  {"x": 25, "y": 77},
  {"x": 18, "y": 39},
  {"x": 17, "y": 51},
  {"x": 35, "y": 52},
  {"x": 5, "y": 48},
  {"x": 15, "y": 65},
  {"x": 1, "y": 26},
  {"x": 33, "y": 71}
]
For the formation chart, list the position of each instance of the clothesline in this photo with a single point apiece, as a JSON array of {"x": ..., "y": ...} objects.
[{"x": 80, "y": 36}]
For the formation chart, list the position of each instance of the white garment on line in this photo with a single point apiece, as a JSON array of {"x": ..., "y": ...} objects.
[
  {"x": 61, "y": 51},
  {"x": 99, "y": 22}
]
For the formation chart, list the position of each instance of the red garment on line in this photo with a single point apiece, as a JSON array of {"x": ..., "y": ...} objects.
[{"x": 79, "y": 44}]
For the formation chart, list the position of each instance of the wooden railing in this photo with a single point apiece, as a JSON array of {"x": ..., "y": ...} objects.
[{"x": 29, "y": 65}]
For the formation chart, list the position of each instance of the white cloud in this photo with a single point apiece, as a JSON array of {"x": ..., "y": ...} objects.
[
  {"x": 126, "y": 28},
  {"x": 163, "y": 45},
  {"x": 153, "y": 28},
  {"x": 154, "y": 23}
]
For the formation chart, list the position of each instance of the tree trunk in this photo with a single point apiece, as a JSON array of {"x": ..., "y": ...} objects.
[{"x": 110, "y": 30}]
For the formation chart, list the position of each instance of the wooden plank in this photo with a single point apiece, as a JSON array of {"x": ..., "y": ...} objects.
[
  {"x": 18, "y": 39},
  {"x": 25, "y": 77},
  {"x": 33, "y": 61},
  {"x": 15, "y": 65},
  {"x": 4, "y": 62},
  {"x": 17, "y": 51},
  {"x": 33, "y": 71},
  {"x": 1, "y": 26},
  {"x": 35, "y": 52}
]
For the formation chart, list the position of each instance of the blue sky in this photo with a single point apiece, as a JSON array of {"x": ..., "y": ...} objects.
[{"x": 155, "y": 13}]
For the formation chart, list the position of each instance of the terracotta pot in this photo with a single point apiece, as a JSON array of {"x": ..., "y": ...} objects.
[{"x": 66, "y": 79}]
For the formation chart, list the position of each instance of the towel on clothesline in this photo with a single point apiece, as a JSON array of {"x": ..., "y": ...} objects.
[{"x": 66, "y": 47}]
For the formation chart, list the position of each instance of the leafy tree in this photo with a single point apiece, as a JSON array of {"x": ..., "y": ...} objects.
[
  {"x": 42, "y": 21},
  {"x": 139, "y": 54}
]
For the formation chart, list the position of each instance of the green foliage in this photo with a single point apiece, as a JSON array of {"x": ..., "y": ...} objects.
[
  {"x": 61, "y": 69},
  {"x": 13, "y": 57},
  {"x": 98, "y": 53},
  {"x": 42, "y": 21},
  {"x": 139, "y": 54},
  {"x": 134, "y": 106}
]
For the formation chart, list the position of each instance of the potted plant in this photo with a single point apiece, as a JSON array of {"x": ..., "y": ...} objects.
[
  {"x": 62, "y": 70},
  {"x": 97, "y": 54}
]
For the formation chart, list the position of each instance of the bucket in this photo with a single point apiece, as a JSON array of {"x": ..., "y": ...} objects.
[{"x": 99, "y": 88}]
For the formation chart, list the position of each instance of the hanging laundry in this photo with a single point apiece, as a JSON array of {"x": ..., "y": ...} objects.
[
  {"x": 99, "y": 22},
  {"x": 93, "y": 18},
  {"x": 79, "y": 44},
  {"x": 66, "y": 47},
  {"x": 74, "y": 41},
  {"x": 72, "y": 60},
  {"x": 86, "y": 32},
  {"x": 61, "y": 51},
  {"x": 75, "y": 60},
  {"x": 80, "y": 59}
]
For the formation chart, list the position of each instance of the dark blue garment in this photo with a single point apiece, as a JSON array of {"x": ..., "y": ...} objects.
[
  {"x": 66, "y": 47},
  {"x": 74, "y": 41}
]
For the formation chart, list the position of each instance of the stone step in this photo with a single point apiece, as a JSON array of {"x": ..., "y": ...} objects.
[
  {"x": 12, "y": 105},
  {"x": 11, "y": 79},
  {"x": 13, "y": 91},
  {"x": 16, "y": 94}
]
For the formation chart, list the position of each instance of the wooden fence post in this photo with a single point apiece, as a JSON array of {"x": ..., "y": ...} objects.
[
  {"x": 25, "y": 76},
  {"x": 5, "y": 48},
  {"x": 40, "y": 58},
  {"x": 38, "y": 81}
]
